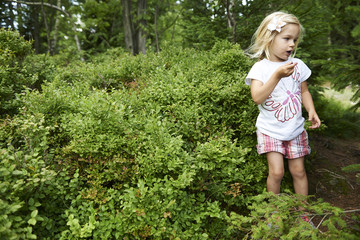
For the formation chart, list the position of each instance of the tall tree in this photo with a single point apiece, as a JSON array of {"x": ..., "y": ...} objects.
[
  {"x": 342, "y": 65},
  {"x": 34, "y": 18},
  {"x": 7, "y": 16},
  {"x": 230, "y": 6},
  {"x": 203, "y": 22},
  {"x": 35, "y": 27},
  {"x": 142, "y": 25},
  {"x": 134, "y": 21},
  {"x": 163, "y": 22},
  {"x": 46, "y": 28},
  {"x": 56, "y": 28}
]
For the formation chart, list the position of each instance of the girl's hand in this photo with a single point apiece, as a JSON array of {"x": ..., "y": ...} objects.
[
  {"x": 260, "y": 91},
  {"x": 286, "y": 70},
  {"x": 315, "y": 120}
]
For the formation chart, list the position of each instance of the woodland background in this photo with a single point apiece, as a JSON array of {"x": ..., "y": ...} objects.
[
  {"x": 331, "y": 44},
  {"x": 63, "y": 26},
  {"x": 131, "y": 120}
]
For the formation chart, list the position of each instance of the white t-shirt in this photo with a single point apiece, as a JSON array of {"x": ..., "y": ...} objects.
[{"x": 280, "y": 114}]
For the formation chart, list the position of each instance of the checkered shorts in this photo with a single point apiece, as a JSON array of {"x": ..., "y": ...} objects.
[{"x": 295, "y": 148}]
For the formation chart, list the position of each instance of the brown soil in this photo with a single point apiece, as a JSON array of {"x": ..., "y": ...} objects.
[{"x": 327, "y": 180}]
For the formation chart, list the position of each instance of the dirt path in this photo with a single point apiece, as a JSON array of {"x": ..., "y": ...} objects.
[{"x": 326, "y": 179}]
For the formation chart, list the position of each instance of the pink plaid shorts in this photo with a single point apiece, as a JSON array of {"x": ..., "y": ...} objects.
[{"x": 295, "y": 148}]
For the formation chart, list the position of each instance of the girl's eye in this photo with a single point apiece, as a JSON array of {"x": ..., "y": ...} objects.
[{"x": 287, "y": 39}]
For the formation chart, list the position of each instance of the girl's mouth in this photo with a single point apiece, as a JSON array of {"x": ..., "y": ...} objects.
[{"x": 288, "y": 52}]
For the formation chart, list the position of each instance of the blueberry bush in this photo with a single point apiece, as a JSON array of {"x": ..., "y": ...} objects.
[{"x": 156, "y": 146}]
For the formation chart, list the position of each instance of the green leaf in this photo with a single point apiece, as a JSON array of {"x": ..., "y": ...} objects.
[
  {"x": 17, "y": 172},
  {"x": 31, "y": 202},
  {"x": 34, "y": 213},
  {"x": 32, "y": 221}
]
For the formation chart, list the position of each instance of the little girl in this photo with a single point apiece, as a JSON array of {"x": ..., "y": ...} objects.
[{"x": 279, "y": 87}]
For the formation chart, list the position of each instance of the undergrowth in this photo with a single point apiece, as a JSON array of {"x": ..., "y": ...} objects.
[
  {"x": 160, "y": 146},
  {"x": 342, "y": 120}
]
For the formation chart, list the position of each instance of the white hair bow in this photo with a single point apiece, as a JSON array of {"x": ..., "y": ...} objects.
[{"x": 275, "y": 24}]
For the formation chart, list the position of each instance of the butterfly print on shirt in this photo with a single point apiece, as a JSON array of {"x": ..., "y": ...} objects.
[{"x": 288, "y": 109}]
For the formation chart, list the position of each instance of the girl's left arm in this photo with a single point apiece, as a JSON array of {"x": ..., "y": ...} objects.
[{"x": 309, "y": 106}]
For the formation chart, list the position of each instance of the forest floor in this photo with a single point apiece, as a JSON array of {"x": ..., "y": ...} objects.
[{"x": 326, "y": 179}]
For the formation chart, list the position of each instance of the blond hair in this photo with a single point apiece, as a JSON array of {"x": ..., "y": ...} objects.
[{"x": 263, "y": 37}]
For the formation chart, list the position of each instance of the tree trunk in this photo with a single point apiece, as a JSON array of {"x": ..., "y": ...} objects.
[
  {"x": 56, "y": 28},
  {"x": 230, "y": 4},
  {"x": 129, "y": 27},
  {"x": 34, "y": 14},
  {"x": 12, "y": 16},
  {"x": 156, "y": 27},
  {"x": 20, "y": 19},
  {"x": 135, "y": 34},
  {"x": 141, "y": 26},
  {"x": 47, "y": 28},
  {"x": 59, "y": 9}
]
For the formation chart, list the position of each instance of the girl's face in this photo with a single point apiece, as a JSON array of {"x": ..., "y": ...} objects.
[{"x": 284, "y": 43}]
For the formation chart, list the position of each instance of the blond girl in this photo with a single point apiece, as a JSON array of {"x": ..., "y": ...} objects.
[{"x": 279, "y": 88}]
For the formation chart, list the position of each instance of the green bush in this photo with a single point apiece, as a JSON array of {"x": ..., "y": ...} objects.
[
  {"x": 160, "y": 146},
  {"x": 41, "y": 67},
  {"x": 33, "y": 196},
  {"x": 13, "y": 50},
  {"x": 279, "y": 216}
]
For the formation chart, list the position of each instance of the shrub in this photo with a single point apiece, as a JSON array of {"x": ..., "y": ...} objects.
[
  {"x": 279, "y": 216},
  {"x": 342, "y": 121},
  {"x": 13, "y": 50},
  {"x": 160, "y": 146},
  {"x": 41, "y": 68},
  {"x": 33, "y": 196}
]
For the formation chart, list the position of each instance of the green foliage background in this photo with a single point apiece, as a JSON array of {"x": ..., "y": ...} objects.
[
  {"x": 330, "y": 46},
  {"x": 13, "y": 50},
  {"x": 156, "y": 146}
]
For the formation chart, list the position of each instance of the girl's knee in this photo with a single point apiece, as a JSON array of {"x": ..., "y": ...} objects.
[
  {"x": 297, "y": 167},
  {"x": 276, "y": 174},
  {"x": 298, "y": 172}
]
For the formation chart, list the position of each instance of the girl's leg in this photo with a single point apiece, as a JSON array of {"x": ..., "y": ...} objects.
[
  {"x": 276, "y": 171},
  {"x": 297, "y": 170},
  {"x": 298, "y": 173}
]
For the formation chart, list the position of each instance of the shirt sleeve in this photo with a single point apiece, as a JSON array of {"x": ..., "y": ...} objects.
[
  {"x": 305, "y": 71},
  {"x": 254, "y": 73}
]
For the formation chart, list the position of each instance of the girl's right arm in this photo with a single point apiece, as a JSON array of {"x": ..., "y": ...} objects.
[{"x": 260, "y": 91}]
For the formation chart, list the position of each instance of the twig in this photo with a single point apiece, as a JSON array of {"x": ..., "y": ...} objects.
[
  {"x": 350, "y": 211},
  {"x": 321, "y": 221},
  {"x": 346, "y": 211}
]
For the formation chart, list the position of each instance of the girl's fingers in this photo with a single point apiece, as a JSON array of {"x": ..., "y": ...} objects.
[
  {"x": 315, "y": 122},
  {"x": 287, "y": 69},
  {"x": 292, "y": 64}
]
